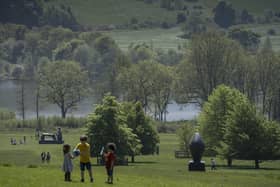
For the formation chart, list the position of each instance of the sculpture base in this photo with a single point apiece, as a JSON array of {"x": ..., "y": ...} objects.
[{"x": 196, "y": 166}]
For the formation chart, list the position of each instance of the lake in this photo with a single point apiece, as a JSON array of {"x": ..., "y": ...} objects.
[{"x": 9, "y": 94}]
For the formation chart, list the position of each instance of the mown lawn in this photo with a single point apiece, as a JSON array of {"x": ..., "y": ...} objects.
[{"x": 20, "y": 165}]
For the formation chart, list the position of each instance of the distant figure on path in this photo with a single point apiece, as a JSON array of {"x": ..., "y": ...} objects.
[
  {"x": 12, "y": 141},
  {"x": 24, "y": 139},
  {"x": 48, "y": 157},
  {"x": 213, "y": 164},
  {"x": 84, "y": 148},
  {"x": 67, "y": 166},
  {"x": 43, "y": 156}
]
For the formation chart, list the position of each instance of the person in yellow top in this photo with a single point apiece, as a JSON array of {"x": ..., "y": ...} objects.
[{"x": 84, "y": 148}]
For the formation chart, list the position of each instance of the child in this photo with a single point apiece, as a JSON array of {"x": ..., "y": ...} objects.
[
  {"x": 48, "y": 157},
  {"x": 43, "y": 156},
  {"x": 84, "y": 148},
  {"x": 67, "y": 166},
  {"x": 110, "y": 161}
]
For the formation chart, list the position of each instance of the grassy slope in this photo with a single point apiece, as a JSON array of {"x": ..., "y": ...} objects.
[
  {"x": 162, "y": 170},
  {"x": 255, "y": 7},
  {"x": 94, "y": 12},
  {"x": 158, "y": 38}
]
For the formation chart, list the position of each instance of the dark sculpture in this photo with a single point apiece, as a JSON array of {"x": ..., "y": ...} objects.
[{"x": 196, "y": 148}]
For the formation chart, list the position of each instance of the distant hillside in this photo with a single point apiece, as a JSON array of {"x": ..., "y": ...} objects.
[
  {"x": 94, "y": 12},
  {"x": 253, "y": 6}
]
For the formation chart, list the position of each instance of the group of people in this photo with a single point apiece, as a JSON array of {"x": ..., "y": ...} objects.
[
  {"x": 46, "y": 157},
  {"x": 14, "y": 141},
  {"x": 84, "y": 153}
]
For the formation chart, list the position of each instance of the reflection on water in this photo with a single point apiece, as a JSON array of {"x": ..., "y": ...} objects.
[{"x": 9, "y": 92}]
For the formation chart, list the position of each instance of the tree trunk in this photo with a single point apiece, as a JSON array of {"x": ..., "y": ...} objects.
[
  {"x": 63, "y": 112},
  {"x": 229, "y": 162},
  {"x": 132, "y": 159},
  {"x": 257, "y": 164}
]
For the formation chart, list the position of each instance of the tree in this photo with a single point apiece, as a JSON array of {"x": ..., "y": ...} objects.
[
  {"x": 64, "y": 84},
  {"x": 141, "y": 125},
  {"x": 214, "y": 60},
  {"x": 195, "y": 24},
  {"x": 224, "y": 14},
  {"x": 212, "y": 120},
  {"x": 136, "y": 82},
  {"x": 106, "y": 68},
  {"x": 28, "y": 12},
  {"x": 250, "y": 137},
  {"x": 162, "y": 84},
  {"x": 248, "y": 39},
  {"x": 267, "y": 66},
  {"x": 185, "y": 133},
  {"x": 108, "y": 124}
]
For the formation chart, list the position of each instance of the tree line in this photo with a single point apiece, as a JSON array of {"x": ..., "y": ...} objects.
[{"x": 142, "y": 73}]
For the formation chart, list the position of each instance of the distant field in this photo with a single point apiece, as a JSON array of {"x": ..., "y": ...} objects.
[
  {"x": 262, "y": 30},
  {"x": 94, "y": 12},
  {"x": 158, "y": 38},
  {"x": 20, "y": 166}
]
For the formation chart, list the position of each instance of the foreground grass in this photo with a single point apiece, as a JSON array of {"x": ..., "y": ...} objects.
[{"x": 20, "y": 165}]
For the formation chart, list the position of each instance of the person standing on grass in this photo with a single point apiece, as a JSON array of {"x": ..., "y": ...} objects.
[
  {"x": 43, "y": 156},
  {"x": 110, "y": 159},
  {"x": 84, "y": 148},
  {"x": 48, "y": 157},
  {"x": 67, "y": 166},
  {"x": 213, "y": 164}
]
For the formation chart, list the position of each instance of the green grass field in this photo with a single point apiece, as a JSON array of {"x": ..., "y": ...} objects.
[
  {"x": 20, "y": 166},
  {"x": 158, "y": 38},
  {"x": 96, "y": 12}
]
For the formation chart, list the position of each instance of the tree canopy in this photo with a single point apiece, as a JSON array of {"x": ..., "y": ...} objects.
[{"x": 63, "y": 83}]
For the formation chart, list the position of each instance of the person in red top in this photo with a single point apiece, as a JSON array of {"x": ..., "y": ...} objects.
[{"x": 110, "y": 159}]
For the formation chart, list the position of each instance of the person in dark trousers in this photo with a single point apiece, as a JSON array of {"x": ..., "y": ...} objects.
[
  {"x": 43, "y": 156},
  {"x": 48, "y": 157},
  {"x": 84, "y": 149},
  {"x": 110, "y": 159}
]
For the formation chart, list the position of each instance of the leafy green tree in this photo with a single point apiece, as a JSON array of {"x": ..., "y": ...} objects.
[
  {"x": 135, "y": 86},
  {"x": 141, "y": 52},
  {"x": 213, "y": 118},
  {"x": 108, "y": 124},
  {"x": 60, "y": 16},
  {"x": 142, "y": 126},
  {"x": 64, "y": 84},
  {"x": 224, "y": 14},
  {"x": 214, "y": 60},
  {"x": 162, "y": 85},
  {"x": 106, "y": 68},
  {"x": 195, "y": 24},
  {"x": 185, "y": 133},
  {"x": 250, "y": 137},
  {"x": 248, "y": 39},
  {"x": 65, "y": 51},
  {"x": 267, "y": 66}
]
